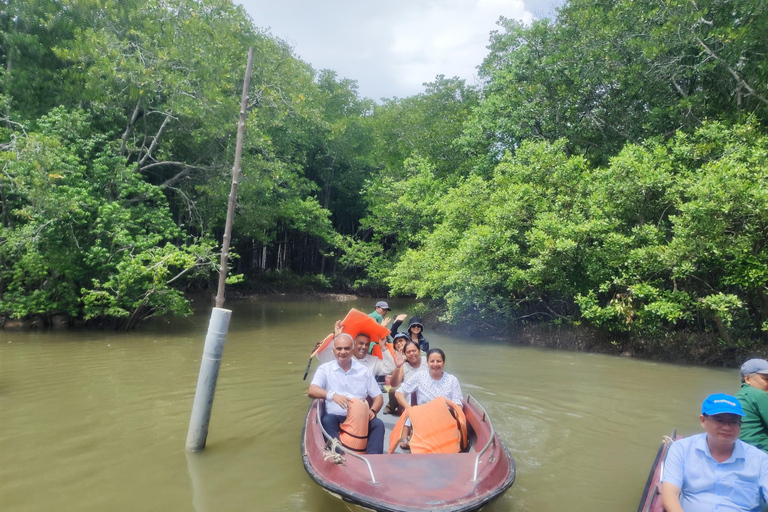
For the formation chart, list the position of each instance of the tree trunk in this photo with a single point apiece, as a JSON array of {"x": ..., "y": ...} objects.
[{"x": 722, "y": 330}]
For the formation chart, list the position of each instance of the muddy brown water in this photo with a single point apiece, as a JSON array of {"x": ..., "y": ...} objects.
[{"x": 97, "y": 420}]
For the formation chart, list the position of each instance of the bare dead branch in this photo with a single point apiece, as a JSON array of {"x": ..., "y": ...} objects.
[
  {"x": 124, "y": 138},
  {"x": 152, "y": 146},
  {"x": 199, "y": 263},
  {"x": 173, "y": 179},
  {"x": 168, "y": 164},
  {"x": 735, "y": 74}
]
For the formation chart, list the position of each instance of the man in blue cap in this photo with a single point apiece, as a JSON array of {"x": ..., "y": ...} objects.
[
  {"x": 754, "y": 402},
  {"x": 715, "y": 470}
]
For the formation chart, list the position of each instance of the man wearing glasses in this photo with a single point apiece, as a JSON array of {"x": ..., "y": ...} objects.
[
  {"x": 754, "y": 402},
  {"x": 715, "y": 470}
]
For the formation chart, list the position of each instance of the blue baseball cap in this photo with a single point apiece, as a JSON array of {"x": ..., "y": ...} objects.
[{"x": 720, "y": 403}]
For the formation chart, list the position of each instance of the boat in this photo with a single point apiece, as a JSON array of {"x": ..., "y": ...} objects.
[
  {"x": 651, "y": 499},
  {"x": 405, "y": 482}
]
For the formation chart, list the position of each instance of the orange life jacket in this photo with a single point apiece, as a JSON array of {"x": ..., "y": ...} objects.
[
  {"x": 438, "y": 426},
  {"x": 353, "y": 433},
  {"x": 356, "y": 322},
  {"x": 377, "y": 350}
]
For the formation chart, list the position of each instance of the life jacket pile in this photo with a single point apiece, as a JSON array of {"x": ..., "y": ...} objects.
[
  {"x": 353, "y": 433},
  {"x": 356, "y": 322},
  {"x": 439, "y": 426}
]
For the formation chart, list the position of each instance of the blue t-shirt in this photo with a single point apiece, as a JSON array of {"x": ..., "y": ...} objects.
[{"x": 740, "y": 484}]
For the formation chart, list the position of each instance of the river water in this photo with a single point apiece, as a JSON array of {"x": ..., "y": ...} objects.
[{"x": 97, "y": 420}]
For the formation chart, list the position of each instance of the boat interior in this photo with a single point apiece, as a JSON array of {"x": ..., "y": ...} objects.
[{"x": 390, "y": 421}]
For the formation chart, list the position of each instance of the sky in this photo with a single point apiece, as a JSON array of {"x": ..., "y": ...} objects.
[{"x": 391, "y": 48}]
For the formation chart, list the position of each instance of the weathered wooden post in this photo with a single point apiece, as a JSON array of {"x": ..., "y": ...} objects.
[{"x": 219, "y": 323}]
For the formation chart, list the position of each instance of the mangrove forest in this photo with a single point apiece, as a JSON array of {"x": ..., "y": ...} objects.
[{"x": 609, "y": 170}]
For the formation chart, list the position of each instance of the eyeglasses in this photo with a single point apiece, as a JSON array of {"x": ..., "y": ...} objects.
[{"x": 734, "y": 422}]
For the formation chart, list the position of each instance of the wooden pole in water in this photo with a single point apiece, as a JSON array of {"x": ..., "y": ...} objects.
[{"x": 219, "y": 323}]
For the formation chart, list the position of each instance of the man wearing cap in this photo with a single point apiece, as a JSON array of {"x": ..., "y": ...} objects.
[
  {"x": 754, "y": 402},
  {"x": 380, "y": 310},
  {"x": 715, "y": 470}
]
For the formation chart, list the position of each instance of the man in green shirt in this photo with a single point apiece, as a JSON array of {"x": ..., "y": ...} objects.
[
  {"x": 382, "y": 308},
  {"x": 753, "y": 396}
]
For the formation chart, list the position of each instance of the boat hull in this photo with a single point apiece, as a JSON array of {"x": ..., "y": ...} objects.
[
  {"x": 651, "y": 499},
  {"x": 414, "y": 482}
]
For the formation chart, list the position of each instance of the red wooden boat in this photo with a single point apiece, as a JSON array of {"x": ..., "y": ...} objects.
[
  {"x": 404, "y": 482},
  {"x": 651, "y": 500}
]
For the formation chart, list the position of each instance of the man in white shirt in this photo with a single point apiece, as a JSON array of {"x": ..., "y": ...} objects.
[
  {"x": 339, "y": 381},
  {"x": 378, "y": 367}
]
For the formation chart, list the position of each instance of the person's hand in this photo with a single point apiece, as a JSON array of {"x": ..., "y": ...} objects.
[
  {"x": 401, "y": 317},
  {"x": 399, "y": 359},
  {"x": 337, "y": 328},
  {"x": 371, "y": 414},
  {"x": 341, "y": 400},
  {"x": 385, "y": 321}
]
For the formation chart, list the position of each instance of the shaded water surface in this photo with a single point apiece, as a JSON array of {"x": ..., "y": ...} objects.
[{"x": 97, "y": 420}]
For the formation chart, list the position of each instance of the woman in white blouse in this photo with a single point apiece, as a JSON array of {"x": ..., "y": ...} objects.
[
  {"x": 408, "y": 362},
  {"x": 428, "y": 386}
]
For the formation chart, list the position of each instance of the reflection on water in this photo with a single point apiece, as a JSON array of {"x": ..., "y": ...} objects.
[{"x": 97, "y": 420}]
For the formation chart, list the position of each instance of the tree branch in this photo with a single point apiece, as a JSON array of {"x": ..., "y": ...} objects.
[
  {"x": 169, "y": 164},
  {"x": 732, "y": 71},
  {"x": 152, "y": 146},
  {"x": 124, "y": 138}
]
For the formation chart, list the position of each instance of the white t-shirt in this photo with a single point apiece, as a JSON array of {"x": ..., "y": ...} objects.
[
  {"x": 378, "y": 366},
  {"x": 358, "y": 382}
]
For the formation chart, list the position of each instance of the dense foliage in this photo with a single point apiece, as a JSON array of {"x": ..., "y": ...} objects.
[
  {"x": 616, "y": 178},
  {"x": 609, "y": 170},
  {"x": 118, "y": 133}
]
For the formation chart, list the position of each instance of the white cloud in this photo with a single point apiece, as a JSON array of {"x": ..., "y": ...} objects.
[{"x": 392, "y": 47}]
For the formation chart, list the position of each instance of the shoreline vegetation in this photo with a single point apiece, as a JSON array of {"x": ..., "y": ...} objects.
[
  {"x": 606, "y": 180},
  {"x": 694, "y": 348}
]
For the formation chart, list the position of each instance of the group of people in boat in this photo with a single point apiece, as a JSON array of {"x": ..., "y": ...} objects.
[
  {"x": 353, "y": 396},
  {"x": 726, "y": 467}
]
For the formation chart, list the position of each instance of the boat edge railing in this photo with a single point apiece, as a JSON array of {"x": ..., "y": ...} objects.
[
  {"x": 662, "y": 462},
  {"x": 491, "y": 439},
  {"x": 329, "y": 439}
]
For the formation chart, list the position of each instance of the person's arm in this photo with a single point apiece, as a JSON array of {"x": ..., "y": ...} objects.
[
  {"x": 378, "y": 403},
  {"x": 372, "y": 387},
  {"x": 456, "y": 396},
  {"x": 763, "y": 480},
  {"x": 398, "y": 321},
  {"x": 399, "y": 371},
  {"x": 316, "y": 391},
  {"x": 400, "y": 397},
  {"x": 672, "y": 482},
  {"x": 386, "y": 357},
  {"x": 670, "y": 497},
  {"x": 761, "y": 404},
  {"x": 407, "y": 388}
]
